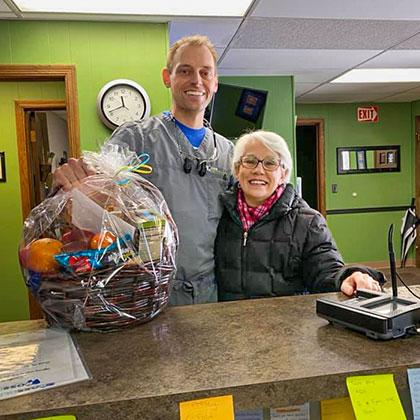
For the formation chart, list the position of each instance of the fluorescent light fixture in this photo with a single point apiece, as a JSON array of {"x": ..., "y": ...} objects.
[
  {"x": 138, "y": 7},
  {"x": 379, "y": 76}
]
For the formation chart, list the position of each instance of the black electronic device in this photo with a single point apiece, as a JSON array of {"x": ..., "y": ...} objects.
[{"x": 378, "y": 315}]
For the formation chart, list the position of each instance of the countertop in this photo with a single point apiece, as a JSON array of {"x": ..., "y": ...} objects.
[{"x": 266, "y": 352}]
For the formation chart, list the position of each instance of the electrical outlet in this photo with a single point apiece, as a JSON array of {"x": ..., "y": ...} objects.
[{"x": 334, "y": 188}]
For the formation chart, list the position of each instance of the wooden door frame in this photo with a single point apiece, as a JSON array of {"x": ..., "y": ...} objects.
[
  {"x": 66, "y": 73},
  {"x": 21, "y": 107},
  {"x": 320, "y": 151},
  {"x": 58, "y": 72}
]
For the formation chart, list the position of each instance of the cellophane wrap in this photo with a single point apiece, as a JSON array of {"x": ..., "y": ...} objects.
[{"x": 101, "y": 256}]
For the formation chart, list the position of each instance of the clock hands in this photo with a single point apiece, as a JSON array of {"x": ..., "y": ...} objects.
[{"x": 119, "y": 107}]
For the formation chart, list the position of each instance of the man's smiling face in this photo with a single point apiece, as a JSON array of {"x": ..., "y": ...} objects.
[{"x": 193, "y": 79}]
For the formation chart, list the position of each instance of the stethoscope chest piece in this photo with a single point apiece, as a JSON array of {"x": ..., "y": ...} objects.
[
  {"x": 187, "y": 165},
  {"x": 202, "y": 168}
]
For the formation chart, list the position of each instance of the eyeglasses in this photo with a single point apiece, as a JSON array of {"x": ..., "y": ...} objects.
[{"x": 268, "y": 163}]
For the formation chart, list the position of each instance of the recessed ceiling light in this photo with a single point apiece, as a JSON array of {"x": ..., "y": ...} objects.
[
  {"x": 379, "y": 76},
  {"x": 139, "y": 7}
]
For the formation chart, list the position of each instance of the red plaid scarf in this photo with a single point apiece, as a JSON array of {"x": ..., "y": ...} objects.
[{"x": 251, "y": 215}]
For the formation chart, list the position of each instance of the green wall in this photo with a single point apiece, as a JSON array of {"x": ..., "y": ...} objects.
[
  {"x": 280, "y": 107},
  {"x": 361, "y": 237},
  {"x": 101, "y": 52},
  {"x": 13, "y": 295}
]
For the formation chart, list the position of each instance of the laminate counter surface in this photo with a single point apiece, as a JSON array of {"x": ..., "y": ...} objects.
[{"x": 263, "y": 351}]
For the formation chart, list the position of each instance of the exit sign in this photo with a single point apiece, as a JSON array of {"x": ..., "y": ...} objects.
[{"x": 368, "y": 114}]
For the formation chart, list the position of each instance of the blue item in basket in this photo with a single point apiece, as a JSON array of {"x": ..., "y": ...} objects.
[
  {"x": 93, "y": 259},
  {"x": 33, "y": 281}
]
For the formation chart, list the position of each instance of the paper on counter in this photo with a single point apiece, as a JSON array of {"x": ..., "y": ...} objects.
[
  {"x": 36, "y": 360},
  {"x": 214, "y": 408},
  {"x": 337, "y": 409},
  {"x": 293, "y": 412},
  {"x": 250, "y": 415},
  {"x": 375, "y": 397},
  {"x": 414, "y": 383}
]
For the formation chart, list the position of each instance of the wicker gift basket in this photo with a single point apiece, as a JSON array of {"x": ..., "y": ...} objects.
[{"x": 101, "y": 256}]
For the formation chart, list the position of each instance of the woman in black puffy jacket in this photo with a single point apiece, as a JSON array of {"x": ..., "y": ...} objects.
[{"x": 269, "y": 241}]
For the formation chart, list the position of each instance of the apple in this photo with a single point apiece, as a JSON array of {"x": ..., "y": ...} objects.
[{"x": 24, "y": 256}]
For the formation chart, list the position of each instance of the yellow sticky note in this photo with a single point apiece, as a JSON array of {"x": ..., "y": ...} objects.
[
  {"x": 375, "y": 397},
  {"x": 337, "y": 409},
  {"x": 216, "y": 408}
]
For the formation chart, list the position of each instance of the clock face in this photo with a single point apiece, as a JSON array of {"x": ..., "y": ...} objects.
[{"x": 121, "y": 101}]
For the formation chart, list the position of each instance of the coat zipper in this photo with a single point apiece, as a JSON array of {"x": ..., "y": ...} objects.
[{"x": 245, "y": 238}]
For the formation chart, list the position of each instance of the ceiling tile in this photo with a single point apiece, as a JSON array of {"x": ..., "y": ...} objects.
[
  {"x": 411, "y": 44},
  {"x": 220, "y": 31},
  {"x": 408, "y": 96},
  {"x": 337, "y": 98},
  {"x": 323, "y": 33},
  {"x": 369, "y": 88},
  {"x": 316, "y": 77},
  {"x": 340, "y": 9},
  {"x": 301, "y": 88},
  {"x": 4, "y": 7},
  {"x": 219, "y": 51},
  {"x": 394, "y": 59},
  {"x": 293, "y": 61},
  {"x": 359, "y": 91}
]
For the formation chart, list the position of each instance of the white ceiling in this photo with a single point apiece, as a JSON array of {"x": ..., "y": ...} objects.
[{"x": 315, "y": 41}]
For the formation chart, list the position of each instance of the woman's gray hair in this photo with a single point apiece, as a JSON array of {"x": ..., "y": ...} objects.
[{"x": 269, "y": 139}]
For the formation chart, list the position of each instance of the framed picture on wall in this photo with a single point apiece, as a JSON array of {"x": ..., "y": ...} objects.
[
  {"x": 368, "y": 159},
  {"x": 2, "y": 167},
  {"x": 388, "y": 158},
  {"x": 251, "y": 104},
  {"x": 361, "y": 159},
  {"x": 382, "y": 158}
]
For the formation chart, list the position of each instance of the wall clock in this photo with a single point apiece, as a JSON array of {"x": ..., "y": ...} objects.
[{"x": 122, "y": 100}]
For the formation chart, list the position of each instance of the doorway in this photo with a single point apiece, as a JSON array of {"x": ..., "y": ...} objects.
[
  {"x": 311, "y": 161},
  {"x": 47, "y": 148},
  {"x": 41, "y": 73},
  {"x": 43, "y": 145}
]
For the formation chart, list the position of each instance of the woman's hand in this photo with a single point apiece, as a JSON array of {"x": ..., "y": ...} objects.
[{"x": 359, "y": 280}]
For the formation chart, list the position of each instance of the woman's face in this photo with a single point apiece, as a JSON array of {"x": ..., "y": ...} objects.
[{"x": 259, "y": 183}]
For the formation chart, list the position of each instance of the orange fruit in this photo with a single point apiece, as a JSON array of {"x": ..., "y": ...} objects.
[
  {"x": 41, "y": 255},
  {"x": 102, "y": 240}
]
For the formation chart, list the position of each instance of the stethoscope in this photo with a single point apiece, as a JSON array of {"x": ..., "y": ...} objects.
[{"x": 202, "y": 164}]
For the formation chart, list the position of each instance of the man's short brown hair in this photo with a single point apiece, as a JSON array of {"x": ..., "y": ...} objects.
[{"x": 196, "y": 40}]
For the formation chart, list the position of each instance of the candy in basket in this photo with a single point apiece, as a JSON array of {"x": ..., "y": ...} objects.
[{"x": 100, "y": 257}]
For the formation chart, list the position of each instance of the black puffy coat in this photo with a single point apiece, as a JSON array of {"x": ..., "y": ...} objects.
[{"x": 289, "y": 251}]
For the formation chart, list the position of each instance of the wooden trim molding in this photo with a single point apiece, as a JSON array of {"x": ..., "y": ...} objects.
[
  {"x": 21, "y": 107},
  {"x": 320, "y": 147},
  {"x": 67, "y": 73}
]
